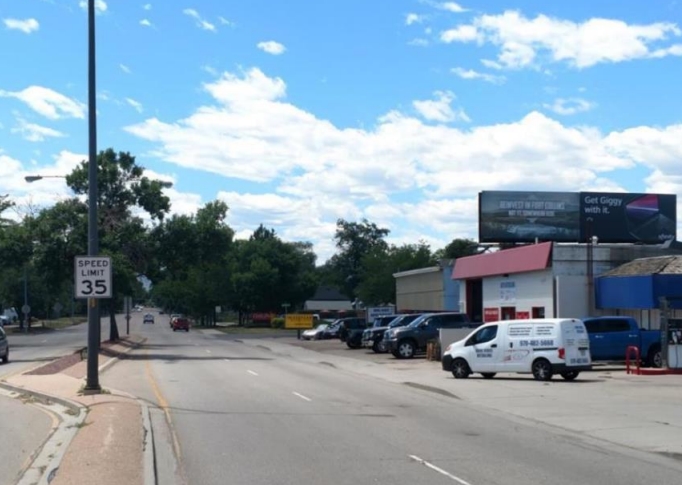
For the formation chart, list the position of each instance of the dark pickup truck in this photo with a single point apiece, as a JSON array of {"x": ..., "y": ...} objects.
[
  {"x": 405, "y": 342},
  {"x": 373, "y": 338},
  {"x": 611, "y": 336}
]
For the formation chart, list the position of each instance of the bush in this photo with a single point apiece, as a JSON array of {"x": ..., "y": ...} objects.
[{"x": 277, "y": 322}]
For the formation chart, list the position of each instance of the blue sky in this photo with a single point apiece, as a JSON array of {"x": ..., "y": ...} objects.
[{"x": 298, "y": 113}]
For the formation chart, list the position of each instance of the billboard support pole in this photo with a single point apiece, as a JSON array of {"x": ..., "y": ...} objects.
[{"x": 590, "y": 266}]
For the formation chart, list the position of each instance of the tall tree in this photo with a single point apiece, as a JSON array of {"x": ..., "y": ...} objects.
[
  {"x": 458, "y": 248},
  {"x": 122, "y": 187},
  {"x": 354, "y": 240},
  {"x": 5, "y": 203}
]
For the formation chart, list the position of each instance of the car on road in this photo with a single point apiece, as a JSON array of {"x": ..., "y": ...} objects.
[
  {"x": 332, "y": 331},
  {"x": 173, "y": 317},
  {"x": 180, "y": 323},
  {"x": 4, "y": 346},
  {"x": 315, "y": 333},
  {"x": 3, "y": 320},
  {"x": 148, "y": 318},
  {"x": 351, "y": 331}
]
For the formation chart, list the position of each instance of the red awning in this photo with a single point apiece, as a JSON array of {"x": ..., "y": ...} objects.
[{"x": 509, "y": 261}]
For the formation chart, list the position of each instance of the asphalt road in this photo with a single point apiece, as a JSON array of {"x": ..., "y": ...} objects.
[{"x": 242, "y": 414}]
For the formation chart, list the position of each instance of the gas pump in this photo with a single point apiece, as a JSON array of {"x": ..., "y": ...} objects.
[{"x": 674, "y": 338}]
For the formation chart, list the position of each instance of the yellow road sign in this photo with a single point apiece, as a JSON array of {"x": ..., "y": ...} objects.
[{"x": 298, "y": 320}]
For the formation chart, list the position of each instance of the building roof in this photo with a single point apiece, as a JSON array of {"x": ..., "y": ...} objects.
[
  {"x": 522, "y": 259},
  {"x": 649, "y": 266},
  {"x": 430, "y": 269},
  {"x": 328, "y": 293}
]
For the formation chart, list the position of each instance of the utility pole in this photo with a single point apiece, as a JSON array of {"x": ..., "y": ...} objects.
[{"x": 94, "y": 325}]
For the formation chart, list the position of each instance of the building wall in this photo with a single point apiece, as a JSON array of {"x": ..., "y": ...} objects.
[
  {"x": 450, "y": 288},
  {"x": 521, "y": 291},
  {"x": 328, "y": 305},
  {"x": 571, "y": 296},
  {"x": 421, "y": 291}
]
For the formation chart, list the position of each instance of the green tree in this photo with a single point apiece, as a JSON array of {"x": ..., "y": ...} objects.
[
  {"x": 122, "y": 187},
  {"x": 354, "y": 241},
  {"x": 5, "y": 203},
  {"x": 458, "y": 248}
]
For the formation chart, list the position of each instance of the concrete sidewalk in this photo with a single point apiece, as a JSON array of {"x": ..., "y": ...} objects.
[{"x": 103, "y": 438}]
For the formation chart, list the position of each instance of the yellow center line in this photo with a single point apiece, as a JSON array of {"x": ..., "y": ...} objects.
[{"x": 163, "y": 404}]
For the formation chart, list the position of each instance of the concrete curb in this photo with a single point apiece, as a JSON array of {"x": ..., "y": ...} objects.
[
  {"x": 113, "y": 360},
  {"x": 47, "y": 459},
  {"x": 149, "y": 453}
]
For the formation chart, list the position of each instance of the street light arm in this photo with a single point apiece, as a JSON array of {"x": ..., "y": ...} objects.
[{"x": 35, "y": 178}]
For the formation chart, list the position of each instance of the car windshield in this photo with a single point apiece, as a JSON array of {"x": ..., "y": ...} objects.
[
  {"x": 322, "y": 326},
  {"x": 419, "y": 320}
]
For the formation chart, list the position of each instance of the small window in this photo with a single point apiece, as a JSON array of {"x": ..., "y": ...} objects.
[
  {"x": 593, "y": 326},
  {"x": 483, "y": 335}
]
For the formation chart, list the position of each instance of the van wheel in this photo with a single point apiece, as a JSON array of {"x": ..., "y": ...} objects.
[
  {"x": 460, "y": 369},
  {"x": 542, "y": 370},
  {"x": 406, "y": 349},
  {"x": 488, "y": 375},
  {"x": 570, "y": 375},
  {"x": 655, "y": 358}
]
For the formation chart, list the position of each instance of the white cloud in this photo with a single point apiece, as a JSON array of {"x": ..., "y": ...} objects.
[
  {"x": 200, "y": 22},
  {"x": 26, "y": 26},
  {"x": 135, "y": 104},
  {"x": 413, "y": 18},
  {"x": 272, "y": 47},
  {"x": 250, "y": 132},
  {"x": 147, "y": 6},
  {"x": 522, "y": 41},
  {"x": 33, "y": 132},
  {"x": 569, "y": 106},
  {"x": 451, "y": 7},
  {"x": 462, "y": 33},
  {"x": 146, "y": 23},
  {"x": 224, "y": 21},
  {"x": 471, "y": 74},
  {"x": 124, "y": 68},
  {"x": 48, "y": 103},
  {"x": 100, "y": 6},
  {"x": 440, "y": 109}
]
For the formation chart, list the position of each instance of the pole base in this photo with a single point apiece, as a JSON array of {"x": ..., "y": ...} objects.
[{"x": 89, "y": 391}]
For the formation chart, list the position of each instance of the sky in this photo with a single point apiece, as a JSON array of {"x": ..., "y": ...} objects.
[{"x": 298, "y": 113}]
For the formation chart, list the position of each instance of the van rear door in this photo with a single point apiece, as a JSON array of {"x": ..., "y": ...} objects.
[{"x": 576, "y": 343}]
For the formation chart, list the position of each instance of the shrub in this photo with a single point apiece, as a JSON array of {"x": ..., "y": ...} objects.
[{"x": 277, "y": 322}]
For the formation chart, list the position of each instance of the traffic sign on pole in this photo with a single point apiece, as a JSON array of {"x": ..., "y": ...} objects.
[{"x": 93, "y": 276}]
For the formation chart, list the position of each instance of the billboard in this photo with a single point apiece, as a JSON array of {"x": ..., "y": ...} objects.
[
  {"x": 613, "y": 217},
  {"x": 524, "y": 216}
]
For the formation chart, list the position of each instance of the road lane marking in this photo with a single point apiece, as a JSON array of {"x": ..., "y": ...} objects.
[
  {"x": 43, "y": 341},
  {"x": 439, "y": 470},
  {"x": 163, "y": 404},
  {"x": 226, "y": 360},
  {"x": 252, "y": 372},
  {"x": 208, "y": 351},
  {"x": 302, "y": 396}
]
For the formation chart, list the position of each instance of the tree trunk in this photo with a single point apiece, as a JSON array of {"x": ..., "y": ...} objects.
[{"x": 113, "y": 328}]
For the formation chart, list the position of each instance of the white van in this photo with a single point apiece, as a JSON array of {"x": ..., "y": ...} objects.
[{"x": 543, "y": 347}]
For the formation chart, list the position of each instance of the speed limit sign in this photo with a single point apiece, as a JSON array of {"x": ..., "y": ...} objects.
[{"x": 93, "y": 277}]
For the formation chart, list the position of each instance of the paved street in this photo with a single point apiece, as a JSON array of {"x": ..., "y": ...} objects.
[{"x": 243, "y": 414}]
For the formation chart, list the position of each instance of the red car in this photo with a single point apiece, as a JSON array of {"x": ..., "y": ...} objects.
[{"x": 180, "y": 323}]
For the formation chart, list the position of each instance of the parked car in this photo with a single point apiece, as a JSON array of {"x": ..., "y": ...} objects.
[
  {"x": 4, "y": 320},
  {"x": 332, "y": 331},
  {"x": 542, "y": 346},
  {"x": 373, "y": 338},
  {"x": 314, "y": 333},
  {"x": 611, "y": 336},
  {"x": 405, "y": 342},
  {"x": 148, "y": 318},
  {"x": 180, "y": 323},
  {"x": 346, "y": 334},
  {"x": 4, "y": 346}
]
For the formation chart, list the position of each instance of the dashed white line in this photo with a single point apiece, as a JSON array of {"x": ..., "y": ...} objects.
[
  {"x": 252, "y": 372},
  {"x": 208, "y": 351},
  {"x": 302, "y": 396},
  {"x": 226, "y": 360},
  {"x": 439, "y": 470}
]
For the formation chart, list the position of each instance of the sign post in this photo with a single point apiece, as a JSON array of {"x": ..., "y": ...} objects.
[
  {"x": 298, "y": 321},
  {"x": 127, "y": 305}
]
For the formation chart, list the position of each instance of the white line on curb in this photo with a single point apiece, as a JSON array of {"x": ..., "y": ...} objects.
[
  {"x": 252, "y": 372},
  {"x": 302, "y": 396},
  {"x": 439, "y": 470}
]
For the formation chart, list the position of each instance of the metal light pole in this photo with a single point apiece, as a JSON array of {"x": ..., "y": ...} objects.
[{"x": 94, "y": 330}]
